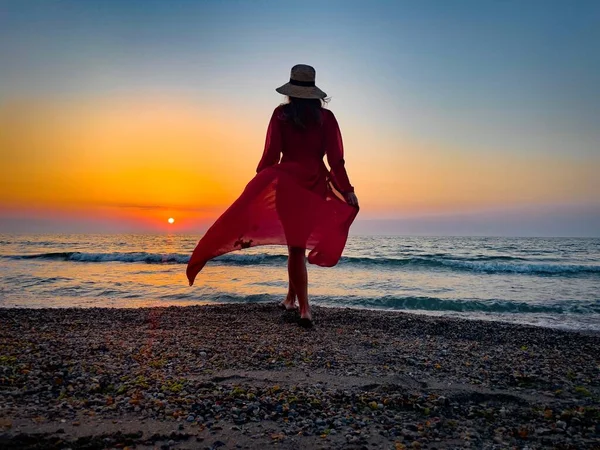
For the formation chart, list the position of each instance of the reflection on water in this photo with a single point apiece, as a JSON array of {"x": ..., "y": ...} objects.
[{"x": 544, "y": 281}]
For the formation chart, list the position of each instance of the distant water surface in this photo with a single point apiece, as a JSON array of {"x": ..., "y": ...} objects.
[{"x": 549, "y": 282}]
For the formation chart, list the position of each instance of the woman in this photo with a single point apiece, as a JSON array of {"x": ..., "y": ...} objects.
[{"x": 293, "y": 200}]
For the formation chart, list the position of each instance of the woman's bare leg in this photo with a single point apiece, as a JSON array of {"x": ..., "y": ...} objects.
[
  {"x": 299, "y": 279},
  {"x": 290, "y": 299}
]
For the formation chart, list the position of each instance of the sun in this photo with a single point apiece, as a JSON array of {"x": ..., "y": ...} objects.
[{"x": 171, "y": 220}]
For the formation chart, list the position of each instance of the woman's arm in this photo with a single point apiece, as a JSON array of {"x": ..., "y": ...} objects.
[
  {"x": 334, "y": 149},
  {"x": 273, "y": 143}
]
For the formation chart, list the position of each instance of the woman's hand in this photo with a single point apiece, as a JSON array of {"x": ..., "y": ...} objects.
[{"x": 352, "y": 199}]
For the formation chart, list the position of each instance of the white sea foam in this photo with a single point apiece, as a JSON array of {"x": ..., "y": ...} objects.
[{"x": 422, "y": 262}]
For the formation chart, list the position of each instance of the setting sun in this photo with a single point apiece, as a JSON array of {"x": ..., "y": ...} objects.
[{"x": 171, "y": 220}]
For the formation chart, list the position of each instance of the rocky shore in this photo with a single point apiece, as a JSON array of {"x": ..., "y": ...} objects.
[{"x": 246, "y": 376}]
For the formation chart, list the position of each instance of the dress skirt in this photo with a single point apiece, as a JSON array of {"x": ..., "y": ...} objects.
[{"x": 285, "y": 204}]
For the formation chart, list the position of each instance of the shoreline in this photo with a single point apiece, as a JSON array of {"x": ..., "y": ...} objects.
[
  {"x": 438, "y": 314},
  {"x": 246, "y": 376}
]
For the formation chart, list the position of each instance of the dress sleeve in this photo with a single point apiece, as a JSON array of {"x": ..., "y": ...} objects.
[
  {"x": 273, "y": 144},
  {"x": 334, "y": 149}
]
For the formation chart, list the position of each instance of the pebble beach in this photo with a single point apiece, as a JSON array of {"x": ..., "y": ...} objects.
[{"x": 246, "y": 376}]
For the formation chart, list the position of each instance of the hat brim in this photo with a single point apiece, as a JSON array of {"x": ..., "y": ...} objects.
[{"x": 292, "y": 90}]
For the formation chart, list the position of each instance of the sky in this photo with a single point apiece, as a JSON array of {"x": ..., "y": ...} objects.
[{"x": 458, "y": 118}]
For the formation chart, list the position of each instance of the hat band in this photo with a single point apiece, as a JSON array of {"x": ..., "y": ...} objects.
[{"x": 302, "y": 83}]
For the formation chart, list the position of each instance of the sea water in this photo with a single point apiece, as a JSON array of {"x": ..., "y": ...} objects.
[{"x": 549, "y": 282}]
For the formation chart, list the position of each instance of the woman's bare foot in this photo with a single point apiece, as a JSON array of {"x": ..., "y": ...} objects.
[
  {"x": 306, "y": 314},
  {"x": 306, "y": 319},
  {"x": 289, "y": 303}
]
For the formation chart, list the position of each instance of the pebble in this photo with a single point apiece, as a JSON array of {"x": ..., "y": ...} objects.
[{"x": 443, "y": 401}]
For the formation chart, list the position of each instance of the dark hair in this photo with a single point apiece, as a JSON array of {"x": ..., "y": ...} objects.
[{"x": 304, "y": 111}]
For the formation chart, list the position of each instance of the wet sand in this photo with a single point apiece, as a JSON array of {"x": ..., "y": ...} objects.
[{"x": 246, "y": 376}]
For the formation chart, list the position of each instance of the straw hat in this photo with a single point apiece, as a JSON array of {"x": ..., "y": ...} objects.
[{"x": 302, "y": 83}]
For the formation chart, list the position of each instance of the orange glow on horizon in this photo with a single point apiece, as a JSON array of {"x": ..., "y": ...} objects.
[
  {"x": 140, "y": 160},
  {"x": 152, "y": 156}
]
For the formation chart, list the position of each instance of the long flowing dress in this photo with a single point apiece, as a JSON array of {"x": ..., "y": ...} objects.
[{"x": 293, "y": 200}]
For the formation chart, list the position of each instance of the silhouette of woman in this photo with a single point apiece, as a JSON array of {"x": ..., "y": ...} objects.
[{"x": 293, "y": 200}]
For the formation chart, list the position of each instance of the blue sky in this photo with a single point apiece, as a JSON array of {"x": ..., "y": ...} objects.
[{"x": 500, "y": 67}]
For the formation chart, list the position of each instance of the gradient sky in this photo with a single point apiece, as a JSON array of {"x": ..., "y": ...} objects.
[{"x": 459, "y": 117}]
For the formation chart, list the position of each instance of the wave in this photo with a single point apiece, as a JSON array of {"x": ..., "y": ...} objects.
[
  {"x": 479, "y": 263},
  {"x": 409, "y": 303},
  {"x": 484, "y": 306},
  {"x": 417, "y": 304},
  {"x": 151, "y": 258},
  {"x": 487, "y": 265},
  {"x": 130, "y": 257}
]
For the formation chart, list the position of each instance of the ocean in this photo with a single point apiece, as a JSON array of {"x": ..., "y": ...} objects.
[{"x": 552, "y": 282}]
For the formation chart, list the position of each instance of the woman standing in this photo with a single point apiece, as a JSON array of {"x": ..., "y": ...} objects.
[{"x": 293, "y": 200}]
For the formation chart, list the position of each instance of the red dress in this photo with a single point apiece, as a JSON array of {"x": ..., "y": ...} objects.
[{"x": 294, "y": 201}]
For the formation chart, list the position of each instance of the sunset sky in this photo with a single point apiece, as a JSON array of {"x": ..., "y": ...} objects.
[{"x": 458, "y": 117}]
